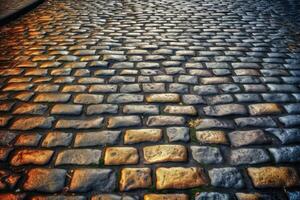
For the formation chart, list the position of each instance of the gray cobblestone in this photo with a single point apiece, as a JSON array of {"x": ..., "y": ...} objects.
[{"x": 157, "y": 99}]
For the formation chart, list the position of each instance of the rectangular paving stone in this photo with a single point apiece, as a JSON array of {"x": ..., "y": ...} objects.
[
  {"x": 125, "y": 98},
  {"x": 135, "y": 178},
  {"x": 57, "y": 138},
  {"x": 88, "y": 179},
  {"x": 162, "y": 120},
  {"x": 80, "y": 124},
  {"x": 45, "y": 180},
  {"x": 52, "y": 97},
  {"x": 121, "y": 156},
  {"x": 211, "y": 137},
  {"x": 228, "y": 177},
  {"x": 133, "y": 136},
  {"x": 201, "y": 124},
  {"x": 95, "y": 138},
  {"x": 166, "y": 196},
  {"x": 124, "y": 121},
  {"x": 141, "y": 109},
  {"x": 78, "y": 157},
  {"x": 103, "y": 88},
  {"x": 225, "y": 109},
  {"x": 180, "y": 110},
  {"x": 164, "y": 153},
  {"x": 249, "y": 137},
  {"x": 32, "y": 123},
  {"x": 163, "y": 98},
  {"x": 179, "y": 178},
  {"x": 207, "y": 155},
  {"x": 273, "y": 177},
  {"x": 31, "y": 156},
  {"x": 88, "y": 99},
  {"x": 102, "y": 109},
  {"x": 264, "y": 109},
  {"x": 66, "y": 109}
]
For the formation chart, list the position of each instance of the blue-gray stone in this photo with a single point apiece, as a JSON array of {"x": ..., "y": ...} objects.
[
  {"x": 294, "y": 195},
  {"x": 286, "y": 136},
  {"x": 228, "y": 177},
  {"x": 207, "y": 155},
  {"x": 248, "y": 156},
  {"x": 286, "y": 154},
  {"x": 212, "y": 196},
  {"x": 290, "y": 120}
]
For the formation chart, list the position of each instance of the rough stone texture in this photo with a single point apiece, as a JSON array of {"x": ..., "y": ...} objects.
[
  {"x": 35, "y": 157},
  {"x": 84, "y": 180},
  {"x": 133, "y": 178},
  {"x": 223, "y": 110},
  {"x": 266, "y": 177},
  {"x": 219, "y": 79},
  {"x": 120, "y": 155},
  {"x": 78, "y": 157},
  {"x": 286, "y": 154},
  {"x": 179, "y": 178},
  {"x": 251, "y": 137},
  {"x": 165, "y": 120},
  {"x": 29, "y": 139},
  {"x": 226, "y": 177},
  {"x": 123, "y": 121},
  {"x": 163, "y": 98},
  {"x": 264, "y": 109},
  {"x": 286, "y": 136},
  {"x": 45, "y": 180},
  {"x": 6, "y": 137},
  {"x": 142, "y": 135},
  {"x": 32, "y": 122},
  {"x": 164, "y": 153},
  {"x": 165, "y": 196},
  {"x": 248, "y": 156},
  {"x": 212, "y": 196},
  {"x": 211, "y": 137},
  {"x": 207, "y": 155},
  {"x": 85, "y": 139},
  {"x": 176, "y": 134},
  {"x": 56, "y": 138},
  {"x": 80, "y": 124}
]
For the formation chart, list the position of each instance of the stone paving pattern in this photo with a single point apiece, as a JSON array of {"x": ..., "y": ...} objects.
[{"x": 154, "y": 100}]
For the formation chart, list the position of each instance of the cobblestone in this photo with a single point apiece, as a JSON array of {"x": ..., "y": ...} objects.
[
  {"x": 157, "y": 99},
  {"x": 133, "y": 178},
  {"x": 84, "y": 180},
  {"x": 179, "y": 178},
  {"x": 273, "y": 177}
]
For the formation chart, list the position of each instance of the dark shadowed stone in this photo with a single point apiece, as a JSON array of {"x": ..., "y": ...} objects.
[
  {"x": 286, "y": 154},
  {"x": 290, "y": 120},
  {"x": 286, "y": 136},
  {"x": 6, "y": 137},
  {"x": 100, "y": 180}
]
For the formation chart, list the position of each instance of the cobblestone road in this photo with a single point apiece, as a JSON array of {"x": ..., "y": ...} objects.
[{"x": 154, "y": 100}]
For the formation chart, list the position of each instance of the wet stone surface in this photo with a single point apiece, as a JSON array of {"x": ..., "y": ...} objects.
[{"x": 153, "y": 100}]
